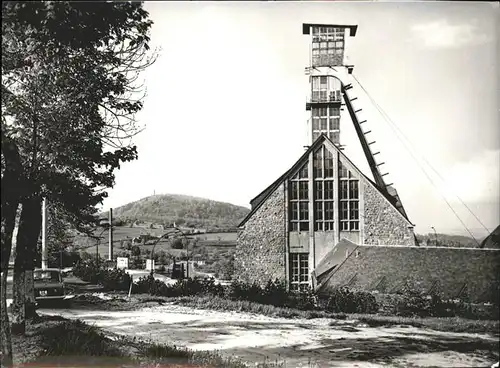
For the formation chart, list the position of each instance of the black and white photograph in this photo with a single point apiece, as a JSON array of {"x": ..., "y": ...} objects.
[{"x": 285, "y": 184}]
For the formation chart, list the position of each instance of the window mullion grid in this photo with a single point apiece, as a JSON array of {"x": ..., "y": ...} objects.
[{"x": 299, "y": 271}]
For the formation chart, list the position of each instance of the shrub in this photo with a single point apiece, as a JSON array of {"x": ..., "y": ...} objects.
[
  {"x": 342, "y": 300},
  {"x": 275, "y": 293},
  {"x": 110, "y": 279},
  {"x": 243, "y": 291},
  {"x": 88, "y": 270},
  {"x": 189, "y": 287},
  {"x": 136, "y": 263},
  {"x": 136, "y": 251},
  {"x": 413, "y": 301},
  {"x": 148, "y": 285},
  {"x": 177, "y": 244},
  {"x": 115, "y": 279}
]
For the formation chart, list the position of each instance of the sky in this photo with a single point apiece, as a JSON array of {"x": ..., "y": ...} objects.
[{"x": 224, "y": 114}]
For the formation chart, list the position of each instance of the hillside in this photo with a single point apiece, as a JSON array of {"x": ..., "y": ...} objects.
[
  {"x": 183, "y": 210},
  {"x": 447, "y": 240}
]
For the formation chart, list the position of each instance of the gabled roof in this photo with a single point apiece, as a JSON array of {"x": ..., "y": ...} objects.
[
  {"x": 492, "y": 240},
  {"x": 257, "y": 201},
  {"x": 382, "y": 191}
]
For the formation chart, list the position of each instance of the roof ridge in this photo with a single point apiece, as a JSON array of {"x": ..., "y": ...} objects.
[{"x": 271, "y": 188}]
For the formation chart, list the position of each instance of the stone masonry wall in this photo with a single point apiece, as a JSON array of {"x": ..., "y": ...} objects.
[
  {"x": 387, "y": 268},
  {"x": 260, "y": 246},
  {"x": 383, "y": 224}
]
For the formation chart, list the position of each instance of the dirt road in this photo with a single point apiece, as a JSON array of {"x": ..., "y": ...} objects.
[{"x": 298, "y": 342}]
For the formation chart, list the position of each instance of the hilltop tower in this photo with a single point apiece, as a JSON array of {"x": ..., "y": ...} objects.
[{"x": 327, "y": 67}]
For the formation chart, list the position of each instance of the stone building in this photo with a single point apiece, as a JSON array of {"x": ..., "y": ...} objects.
[
  {"x": 325, "y": 224},
  {"x": 323, "y": 197},
  {"x": 299, "y": 218}
]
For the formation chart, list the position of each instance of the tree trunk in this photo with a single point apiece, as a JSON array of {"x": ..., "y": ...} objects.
[
  {"x": 6, "y": 359},
  {"x": 8, "y": 222},
  {"x": 27, "y": 237},
  {"x": 30, "y": 306},
  {"x": 18, "y": 300},
  {"x": 10, "y": 194},
  {"x": 34, "y": 209}
]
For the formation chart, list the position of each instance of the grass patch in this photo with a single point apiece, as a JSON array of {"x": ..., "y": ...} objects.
[
  {"x": 158, "y": 351},
  {"x": 77, "y": 338},
  {"x": 446, "y": 324},
  {"x": 222, "y": 304},
  {"x": 70, "y": 342},
  {"x": 171, "y": 354}
]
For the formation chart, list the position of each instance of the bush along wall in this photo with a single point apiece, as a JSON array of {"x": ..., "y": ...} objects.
[
  {"x": 409, "y": 302},
  {"x": 110, "y": 278},
  {"x": 274, "y": 293}
]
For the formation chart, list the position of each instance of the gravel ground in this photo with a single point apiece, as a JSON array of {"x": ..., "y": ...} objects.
[{"x": 298, "y": 342}]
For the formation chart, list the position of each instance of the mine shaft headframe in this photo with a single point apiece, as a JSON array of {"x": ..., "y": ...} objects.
[{"x": 306, "y": 27}]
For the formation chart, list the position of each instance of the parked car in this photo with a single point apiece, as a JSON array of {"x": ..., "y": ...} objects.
[{"x": 49, "y": 285}]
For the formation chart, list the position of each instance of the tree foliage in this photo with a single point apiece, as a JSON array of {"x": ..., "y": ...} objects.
[
  {"x": 177, "y": 243},
  {"x": 70, "y": 95}
]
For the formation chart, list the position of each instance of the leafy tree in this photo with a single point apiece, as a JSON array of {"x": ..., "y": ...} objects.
[
  {"x": 136, "y": 251},
  {"x": 69, "y": 99},
  {"x": 177, "y": 244}
]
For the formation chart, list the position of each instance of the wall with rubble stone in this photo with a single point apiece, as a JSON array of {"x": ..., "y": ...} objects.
[
  {"x": 453, "y": 272},
  {"x": 383, "y": 223},
  {"x": 261, "y": 244}
]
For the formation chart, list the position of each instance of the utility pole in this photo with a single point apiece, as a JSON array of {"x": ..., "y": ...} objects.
[
  {"x": 44, "y": 234},
  {"x": 97, "y": 252},
  {"x": 110, "y": 252},
  {"x": 435, "y": 236},
  {"x": 187, "y": 258}
]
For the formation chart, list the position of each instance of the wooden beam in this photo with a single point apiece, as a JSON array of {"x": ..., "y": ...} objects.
[{"x": 379, "y": 180}]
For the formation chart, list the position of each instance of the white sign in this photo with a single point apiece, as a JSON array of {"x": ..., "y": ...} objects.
[
  {"x": 121, "y": 262},
  {"x": 150, "y": 264}
]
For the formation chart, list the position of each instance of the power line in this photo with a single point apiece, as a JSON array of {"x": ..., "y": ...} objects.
[
  {"x": 379, "y": 108},
  {"x": 394, "y": 127}
]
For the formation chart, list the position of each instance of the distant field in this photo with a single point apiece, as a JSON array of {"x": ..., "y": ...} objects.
[
  {"x": 161, "y": 246},
  {"x": 123, "y": 232},
  {"x": 214, "y": 243},
  {"x": 217, "y": 236}
]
